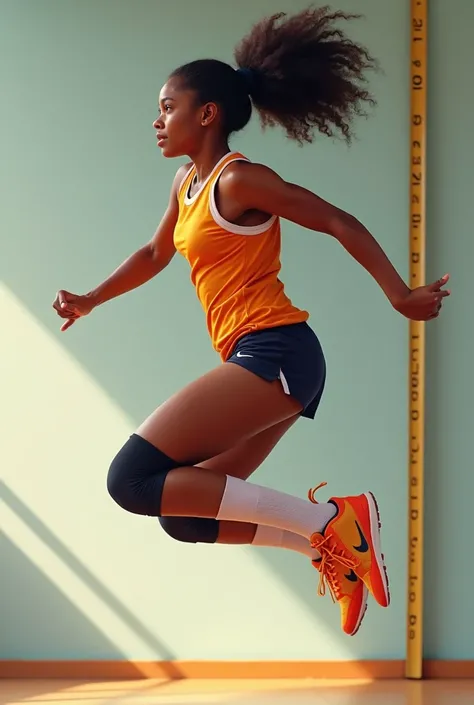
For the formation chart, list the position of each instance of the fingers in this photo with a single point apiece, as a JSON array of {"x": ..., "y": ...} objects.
[
  {"x": 69, "y": 309},
  {"x": 68, "y": 324},
  {"x": 439, "y": 298},
  {"x": 67, "y": 313},
  {"x": 437, "y": 307},
  {"x": 425, "y": 302},
  {"x": 60, "y": 302},
  {"x": 439, "y": 295},
  {"x": 436, "y": 286},
  {"x": 65, "y": 308},
  {"x": 62, "y": 298}
]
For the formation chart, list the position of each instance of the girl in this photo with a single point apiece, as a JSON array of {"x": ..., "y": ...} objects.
[{"x": 189, "y": 461}]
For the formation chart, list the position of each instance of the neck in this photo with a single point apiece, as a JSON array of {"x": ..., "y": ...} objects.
[{"x": 207, "y": 157}]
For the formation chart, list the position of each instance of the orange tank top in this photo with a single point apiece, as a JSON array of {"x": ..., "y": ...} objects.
[{"x": 234, "y": 269}]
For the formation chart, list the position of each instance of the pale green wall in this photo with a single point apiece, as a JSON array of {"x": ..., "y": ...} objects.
[
  {"x": 82, "y": 187},
  {"x": 450, "y": 391}
]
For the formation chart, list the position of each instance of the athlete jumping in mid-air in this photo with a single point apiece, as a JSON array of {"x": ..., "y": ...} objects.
[{"x": 189, "y": 461}]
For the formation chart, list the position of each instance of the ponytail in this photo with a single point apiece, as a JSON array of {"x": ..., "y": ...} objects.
[{"x": 301, "y": 72}]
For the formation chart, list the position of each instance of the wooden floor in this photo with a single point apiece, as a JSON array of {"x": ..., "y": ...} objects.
[{"x": 274, "y": 692}]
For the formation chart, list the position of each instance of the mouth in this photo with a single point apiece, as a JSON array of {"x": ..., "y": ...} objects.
[{"x": 160, "y": 140}]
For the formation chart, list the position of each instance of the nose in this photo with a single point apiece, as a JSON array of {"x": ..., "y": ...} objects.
[{"x": 158, "y": 123}]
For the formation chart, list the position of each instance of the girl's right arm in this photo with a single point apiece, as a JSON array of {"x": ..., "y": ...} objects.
[{"x": 140, "y": 267}]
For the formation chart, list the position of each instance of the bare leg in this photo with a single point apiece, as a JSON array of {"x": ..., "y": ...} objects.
[
  {"x": 224, "y": 408},
  {"x": 219, "y": 411},
  {"x": 242, "y": 461},
  {"x": 215, "y": 413}
]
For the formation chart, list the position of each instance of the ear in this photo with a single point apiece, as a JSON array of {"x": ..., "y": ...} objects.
[{"x": 209, "y": 114}]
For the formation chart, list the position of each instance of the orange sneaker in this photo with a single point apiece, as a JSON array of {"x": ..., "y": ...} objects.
[
  {"x": 345, "y": 587},
  {"x": 351, "y": 542}
]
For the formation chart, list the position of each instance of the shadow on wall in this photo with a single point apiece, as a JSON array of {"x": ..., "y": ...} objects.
[{"x": 30, "y": 598}]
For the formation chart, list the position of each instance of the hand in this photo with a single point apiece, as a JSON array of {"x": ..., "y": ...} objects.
[
  {"x": 71, "y": 307},
  {"x": 424, "y": 303}
]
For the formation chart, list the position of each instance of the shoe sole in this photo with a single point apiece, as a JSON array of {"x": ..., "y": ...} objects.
[
  {"x": 363, "y": 610},
  {"x": 375, "y": 527}
]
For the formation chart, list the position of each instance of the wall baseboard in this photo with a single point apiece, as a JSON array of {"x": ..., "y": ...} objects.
[{"x": 176, "y": 670}]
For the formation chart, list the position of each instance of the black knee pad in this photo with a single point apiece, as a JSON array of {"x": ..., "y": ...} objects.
[
  {"x": 137, "y": 475},
  {"x": 191, "y": 529}
]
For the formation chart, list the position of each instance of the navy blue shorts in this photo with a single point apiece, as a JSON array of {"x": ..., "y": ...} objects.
[{"x": 292, "y": 354}]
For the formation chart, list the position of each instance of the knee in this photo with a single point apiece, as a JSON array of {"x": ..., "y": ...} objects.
[
  {"x": 137, "y": 475},
  {"x": 191, "y": 529},
  {"x": 118, "y": 482}
]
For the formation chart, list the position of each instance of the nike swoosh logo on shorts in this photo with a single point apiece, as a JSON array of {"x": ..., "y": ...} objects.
[{"x": 240, "y": 354}]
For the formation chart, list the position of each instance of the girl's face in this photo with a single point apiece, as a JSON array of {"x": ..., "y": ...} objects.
[{"x": 181, "y": 123}]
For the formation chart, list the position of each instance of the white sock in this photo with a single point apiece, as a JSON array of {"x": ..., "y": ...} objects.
[
  {"x": 244, "y": 501},
  {"x": 278, "y": 538}
]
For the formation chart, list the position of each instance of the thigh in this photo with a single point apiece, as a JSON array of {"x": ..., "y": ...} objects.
[
  {"x": 217, "y": 412},
  {"x": 242, "y": 460}
]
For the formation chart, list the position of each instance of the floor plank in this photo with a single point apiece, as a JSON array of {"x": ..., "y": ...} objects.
[{"x": 257, "y": 692}]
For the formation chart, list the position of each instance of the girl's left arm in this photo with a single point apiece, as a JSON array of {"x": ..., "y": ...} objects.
[{"x": 254, "y": 186}]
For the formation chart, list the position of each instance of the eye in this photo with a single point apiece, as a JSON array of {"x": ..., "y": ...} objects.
[{"x": 167, "y": 107}]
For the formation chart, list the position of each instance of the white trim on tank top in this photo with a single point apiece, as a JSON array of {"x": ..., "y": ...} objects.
[
  {"x": 232, "y": 227},
  {"x": 189, "y": 200},
  {"x": 181, "y": 183}
]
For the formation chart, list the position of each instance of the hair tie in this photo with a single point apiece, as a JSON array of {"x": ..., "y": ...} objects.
[{"x": 251, "y": 79}]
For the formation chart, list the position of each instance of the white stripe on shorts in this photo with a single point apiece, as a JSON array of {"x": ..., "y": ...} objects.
[{"x": 284, "y": 383}]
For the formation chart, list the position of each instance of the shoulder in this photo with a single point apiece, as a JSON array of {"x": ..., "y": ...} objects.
[
  {"x": 181, "y": 173},
  {"x": 184, "y": 168},
  {"x": 239, "y": 171},
  {"x": 242, "y": 176},
  {"x": 244, "y": 182},
  {"x": 179, "y": 177}
]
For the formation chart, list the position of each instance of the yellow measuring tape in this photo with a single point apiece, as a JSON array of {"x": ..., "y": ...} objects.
[{"x": 418, "y": 116}]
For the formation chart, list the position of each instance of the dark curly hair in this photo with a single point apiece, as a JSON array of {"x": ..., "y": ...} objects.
[{"x": 301, "y": 72}]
